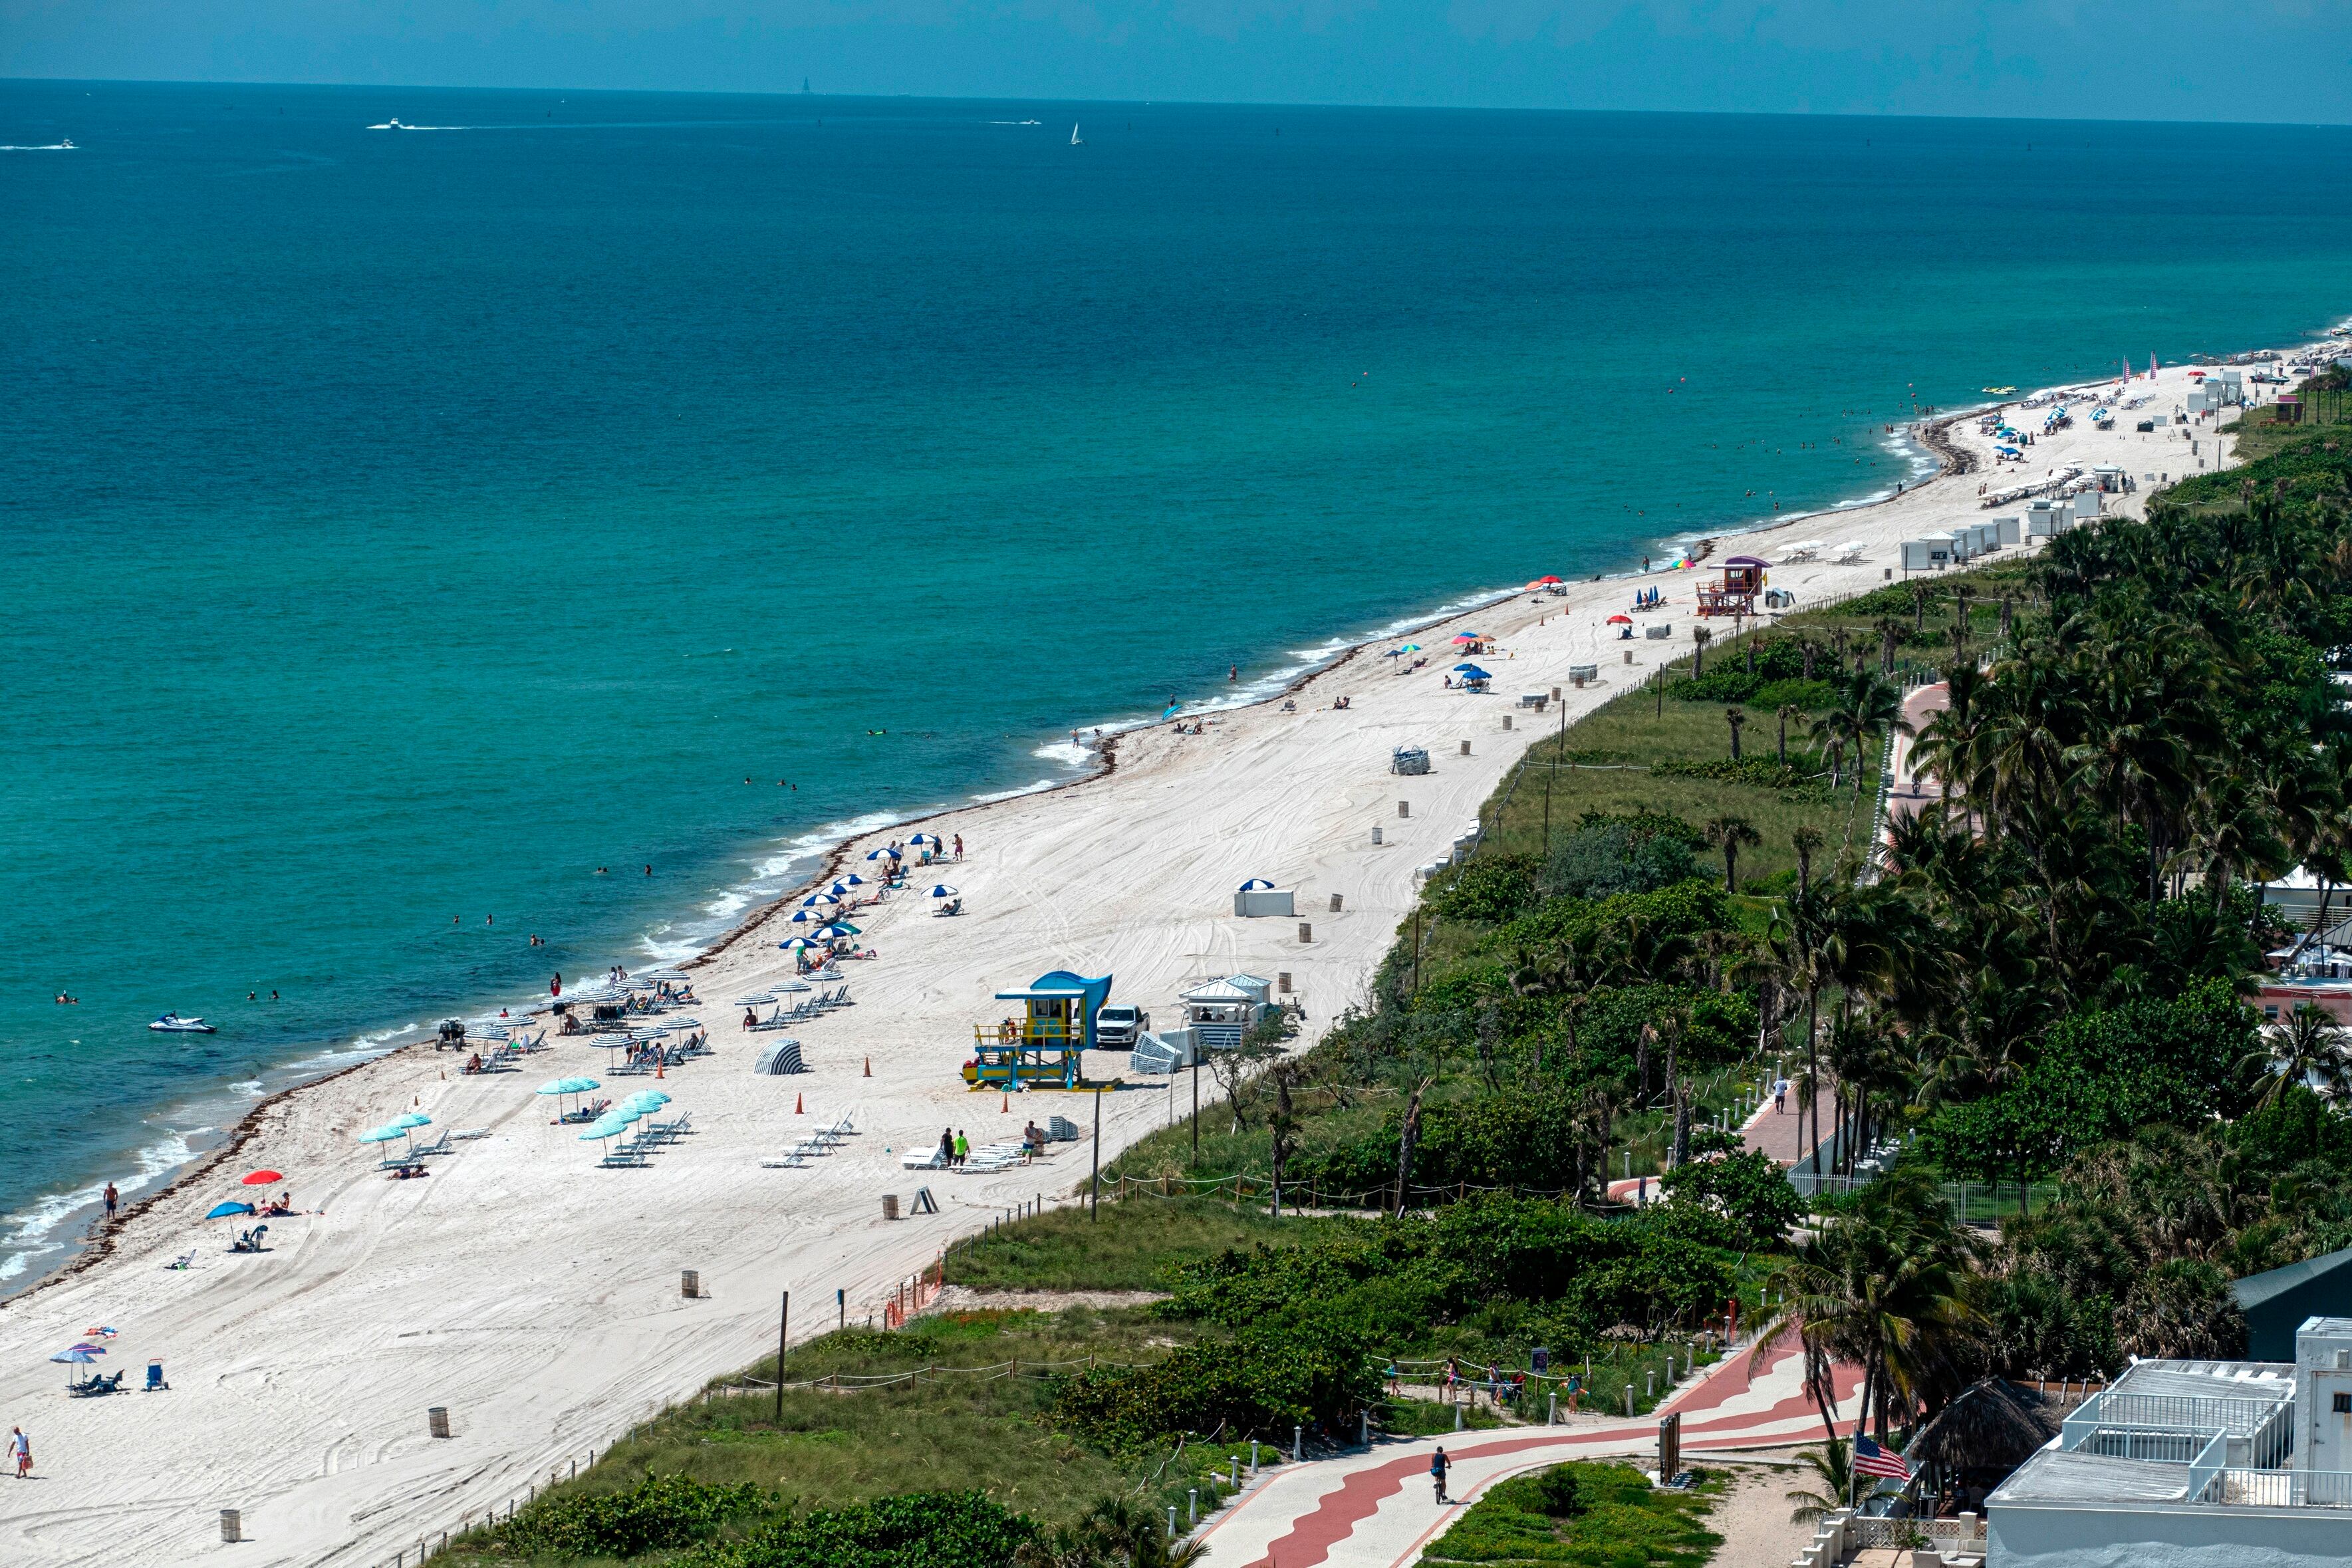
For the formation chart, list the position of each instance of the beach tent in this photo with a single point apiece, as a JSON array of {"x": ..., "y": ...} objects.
[{"x": 780, "y": 1057}]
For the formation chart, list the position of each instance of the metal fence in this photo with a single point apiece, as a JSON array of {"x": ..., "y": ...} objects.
[
  {"x": 2262, "y": 1431},
  {"x": 2240, "y": 1486}
]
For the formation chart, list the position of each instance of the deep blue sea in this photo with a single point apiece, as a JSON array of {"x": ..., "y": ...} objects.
[{"x": 401, "y": 525}]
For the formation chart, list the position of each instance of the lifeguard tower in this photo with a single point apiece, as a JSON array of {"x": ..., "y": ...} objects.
[
  {"x": 1040, "y": 1046},
  {"x": 1743, "y": 579}
]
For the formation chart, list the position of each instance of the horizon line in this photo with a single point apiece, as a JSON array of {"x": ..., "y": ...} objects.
[{"x": 1865, "y": 115}]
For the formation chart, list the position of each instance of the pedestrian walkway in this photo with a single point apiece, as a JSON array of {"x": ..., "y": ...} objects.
[
  {"x": 1375, "y": 1508},
  {"x": 1775, "y": 1132}
]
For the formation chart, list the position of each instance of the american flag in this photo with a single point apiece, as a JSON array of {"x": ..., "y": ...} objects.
[{"x": 1870, "y": 1459}]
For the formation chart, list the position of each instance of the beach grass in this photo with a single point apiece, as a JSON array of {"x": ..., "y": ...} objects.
[{"x": 1126, "y": 1246}]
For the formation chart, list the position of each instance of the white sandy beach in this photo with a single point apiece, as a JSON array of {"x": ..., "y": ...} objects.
[{"x": 537, "y": 1296}]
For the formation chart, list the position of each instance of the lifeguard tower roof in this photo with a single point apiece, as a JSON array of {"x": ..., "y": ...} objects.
[{"x": 1061, "y": 985}]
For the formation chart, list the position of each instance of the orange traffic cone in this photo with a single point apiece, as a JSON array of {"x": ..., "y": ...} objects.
[
  {"x": 658, "y": 1068},
  {"x": 798, "y": 1110},
  {"x": 1006, "y": 1110},
  {"x": 869, "y": 1067}
]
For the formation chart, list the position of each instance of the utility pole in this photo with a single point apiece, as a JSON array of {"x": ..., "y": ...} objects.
[
  {"x": 1094, "y": 1199},
  {"x": 1196, "y": 1108}
]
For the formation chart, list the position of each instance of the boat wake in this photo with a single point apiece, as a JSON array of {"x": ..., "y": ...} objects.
[
  {"x": 44, "y": 147},
  {"x": 396, "y": 125}
]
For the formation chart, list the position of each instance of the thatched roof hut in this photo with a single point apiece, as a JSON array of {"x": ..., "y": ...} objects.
[{"x": 1994, "y": 1425}]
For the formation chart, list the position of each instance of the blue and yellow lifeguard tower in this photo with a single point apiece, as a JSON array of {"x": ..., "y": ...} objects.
[{"x": 1040, "y": 1046}]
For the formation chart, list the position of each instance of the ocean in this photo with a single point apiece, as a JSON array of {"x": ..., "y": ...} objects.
[{"x": 562, "y": 514}]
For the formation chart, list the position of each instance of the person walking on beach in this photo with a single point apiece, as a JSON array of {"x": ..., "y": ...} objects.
[
  {"x": 1438, "y": 1465},
  {"x": 20, "y": 1448},
  {"x": 962, "y": 1147},
  {"x": 112, "y": 1198},
  {"x": 946, "y": 1146},
  {"x": 959, "y": 846}
]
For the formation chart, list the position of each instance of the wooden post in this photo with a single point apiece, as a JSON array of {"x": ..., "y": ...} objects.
[
  {"x": 1094, "y": 1199},
  {"x": 783, "y": 1326}
]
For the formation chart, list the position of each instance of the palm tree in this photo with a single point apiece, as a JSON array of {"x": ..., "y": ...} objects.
[
  {"x": 1866, "y": 706},
  {"x": 1833, "y": 1467},
  {"x": 1788, "y": 711},
  {"x": 1881, "y": 1289},
  {"x": 1807, "y": 841},
  {"x": 1888, "y": 630},
  {"x": 1727, "y": 833},
  {"x": 1736, "y": 718},
  {"x": 2309, "y": 1048},
  {"x": 1700, "y": 637}
]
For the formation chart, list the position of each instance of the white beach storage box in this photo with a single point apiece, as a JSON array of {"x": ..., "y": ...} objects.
[
  {"x": 1921, "y": 554},
  {"x": 2012, "y": 530},
  {"x": 1253, "y": 902},
  {"x": 2086, "y": 505}
]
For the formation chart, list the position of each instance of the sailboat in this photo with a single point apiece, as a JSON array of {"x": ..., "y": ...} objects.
[{"x": 1074, "y": 135}]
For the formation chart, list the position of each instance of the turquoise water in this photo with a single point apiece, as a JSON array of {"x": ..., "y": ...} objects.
[{"x": 405, "y": 524}]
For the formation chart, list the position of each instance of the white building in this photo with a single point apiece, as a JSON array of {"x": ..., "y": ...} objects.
[{"x": 2194, "y": 1465}]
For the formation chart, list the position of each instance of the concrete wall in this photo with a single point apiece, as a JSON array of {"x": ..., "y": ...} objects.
[{"x": 2085, "y": 1535}]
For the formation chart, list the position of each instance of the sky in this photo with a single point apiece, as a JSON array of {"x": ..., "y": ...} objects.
[{"x": 2287, "y": 60}]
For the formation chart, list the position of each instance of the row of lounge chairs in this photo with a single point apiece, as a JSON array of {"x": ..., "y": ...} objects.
[
  {"x": 980, "y": 1162},
  {"x": 801, "y": 1012},
  {"x": 638, "y": 1149},
  {"x": 824, "y": 1141}
]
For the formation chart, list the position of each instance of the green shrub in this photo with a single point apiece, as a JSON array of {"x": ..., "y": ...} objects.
[
  {"x": 919, "y": 1529},
  {"x": 1491, "y": 888},
  {"x": 1763, "y": 773},
  {"x": 1260, "y": 1386},
  {"x": 1605, "y": 857},
  {"x": 659, "y": 1512}
]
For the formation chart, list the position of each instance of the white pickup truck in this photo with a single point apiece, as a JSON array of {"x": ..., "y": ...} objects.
[{"x": 1118, "y": 1025}]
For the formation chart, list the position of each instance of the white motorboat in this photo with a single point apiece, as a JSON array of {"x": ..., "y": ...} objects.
[{"x": 172, "y": 1024}]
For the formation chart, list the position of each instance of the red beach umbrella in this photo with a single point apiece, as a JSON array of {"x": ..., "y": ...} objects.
[
  {"x": 1548, "y": 578},
  {"x": 1620, "y": 620},
  {"x": 263, "y": 1179}
]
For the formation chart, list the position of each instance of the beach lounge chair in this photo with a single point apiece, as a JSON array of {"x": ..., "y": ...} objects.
[
  {"x": 928, "y": 1160},
  {"x": 181, "y": 1261},
  {"x": 155, "y": 1377},
  {"x": 438, "y": 1146},
  {"x": 789, "y": 1163},
  {"x": 104, "y": 1383},
  {"x": 250, "y": 1240}
]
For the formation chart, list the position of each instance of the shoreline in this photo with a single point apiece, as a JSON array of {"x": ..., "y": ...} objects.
[
  {"x": 1928, "y": 436},
  {"x": 538, "y": 1296}
]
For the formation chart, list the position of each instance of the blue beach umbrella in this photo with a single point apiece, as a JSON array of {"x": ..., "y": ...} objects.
[
  {"x": 413, "y": 1119},
  {"x": 222, "y": 1211},
  {"x": 852, "y": 879},
  {"x": 1472, "y": 672},
  {"x": 74, "y": 1357},
  {"x": 802, "y": 917},
  {"x": 838, "y": 929},
  {"x": 1253, "y": 884},
  {"x": 931, "y": 839},
  {"x": 383, "y": 1134},
  {"x": 798, "y": 944},
  {"x": 944, "y": 891},
  {"x": 884, "y": 853}
]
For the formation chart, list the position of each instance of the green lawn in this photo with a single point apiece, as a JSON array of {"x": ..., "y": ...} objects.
[{"x": 1601, "y": 1515}]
